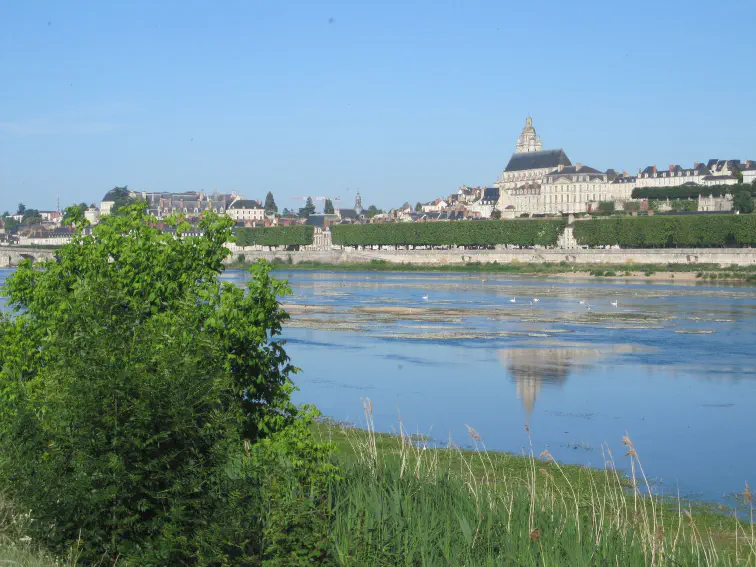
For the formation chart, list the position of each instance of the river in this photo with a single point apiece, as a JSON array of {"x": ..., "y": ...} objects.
[{"x": 671, "y": 365}]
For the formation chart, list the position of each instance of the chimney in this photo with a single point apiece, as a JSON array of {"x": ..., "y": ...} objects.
[
  {"x": 578, "y": 165},
  {"x": 624, "y": 173},
  {"x": 560, "y": 167},
  {"x": 672, "y": 167},
  {"x": 695, "y": 165},
  {"x": 654, "y": 169}
]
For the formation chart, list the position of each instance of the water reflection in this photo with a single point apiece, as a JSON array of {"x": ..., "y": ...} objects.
[{"x": 539, "y": 365}]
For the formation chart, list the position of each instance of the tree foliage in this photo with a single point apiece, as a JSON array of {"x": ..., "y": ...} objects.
[
  {"x": 468, "y": 233},
  {"x": 743, "y": 202},
  {"x": 21, "y": 209},
  {"x": 684, "y": 191},
  {"x": 121, "y": 197},
  {"x": 299, "y": 235},
  {"x": 668, "y": 231},
  {"x": 145, "y": 403},
  {"x": 418, "y": 207},
  {"x": 328, "y": 207},
  {"x": 606, "y": 207},
  {"x": 270, "y": 204},
  {"x": 308, "y": 209},
  {"x": 372, "y": 210}
]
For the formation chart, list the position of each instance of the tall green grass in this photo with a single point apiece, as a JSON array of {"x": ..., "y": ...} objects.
[{"x": 405, "y": 503}]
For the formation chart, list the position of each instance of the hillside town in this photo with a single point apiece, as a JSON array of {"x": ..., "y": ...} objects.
[{"x": 535, "y": 183}]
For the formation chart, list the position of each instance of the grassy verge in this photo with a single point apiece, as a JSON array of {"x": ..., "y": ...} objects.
[
  {"x": 476, "y": 507},
  {"x": 702, "y": 271}
]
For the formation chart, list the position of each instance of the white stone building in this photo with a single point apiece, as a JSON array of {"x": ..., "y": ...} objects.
[
  {"x": 672, "y": 177},
  {"x": 749, "y": 172},
  {"x": 578, "y": 189},
  {"x": 435, "y": 206},
  {"x": 92, "y": 214},
  {"x": 246, "y": 211}
]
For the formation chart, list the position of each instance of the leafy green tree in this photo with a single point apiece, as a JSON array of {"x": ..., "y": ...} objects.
[
  {"x": 418, "y": 207},
  {"x": 308, "y": 209},
  {"x": 270, "y": 204},
  {"x": 121, "y": 197},
  {"x": 743, "y": 202},
  {"x": 372, "y": 210},
  {"x": 496, "y": 214},
  {"x": 11, "y": 224},
  {"x": 328, "y": 207},
  {"x": 606, "y": 208},
  {"x": 21, "y": 209},
  {"x": 6, "y": 214},
  {"x": 72, "y": 213},
  {"x": 146, "y": 402},
  {"x": 31, "y": 217}
]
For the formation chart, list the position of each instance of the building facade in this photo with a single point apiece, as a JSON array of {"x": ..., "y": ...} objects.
[{"x": 243, "y": 210}]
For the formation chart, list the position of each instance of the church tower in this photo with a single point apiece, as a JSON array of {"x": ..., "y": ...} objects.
[
  {"x": 528, "y": 141},
  {"x": 358, "y": 204}
]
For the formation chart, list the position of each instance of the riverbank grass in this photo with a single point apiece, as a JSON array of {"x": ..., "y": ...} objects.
[{"x": 488, "y": 508}]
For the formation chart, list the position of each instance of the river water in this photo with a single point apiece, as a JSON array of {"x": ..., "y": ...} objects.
[{"x": 670, "y": 365}]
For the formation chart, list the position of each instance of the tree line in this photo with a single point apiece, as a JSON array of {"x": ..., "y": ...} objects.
[
  {"x": 470, "y": 233},
  {"x": 690, "y": 231},
  {"x": 689, "y": 191}
]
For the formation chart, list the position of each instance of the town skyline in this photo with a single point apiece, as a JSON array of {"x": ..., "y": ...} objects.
[{"x": 392, "y": 101}]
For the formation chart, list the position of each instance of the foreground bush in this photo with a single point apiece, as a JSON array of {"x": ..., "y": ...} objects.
[
  {"x": 146, "y": 409},
  {"x": 463, "y": 233}
]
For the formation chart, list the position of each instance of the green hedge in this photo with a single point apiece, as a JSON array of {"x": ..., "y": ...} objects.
[
  {"x": 300, "y": 235},
  {"x": 688, "y": 191},
  {"x": 461, "y": 233},
  {"x": 669, "y": 232}
]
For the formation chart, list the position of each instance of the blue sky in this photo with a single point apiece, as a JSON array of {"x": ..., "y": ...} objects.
[{"x": 399, "y": 100}]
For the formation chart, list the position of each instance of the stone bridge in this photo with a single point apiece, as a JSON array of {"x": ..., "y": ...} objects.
[{"x": 11, "y": 256}]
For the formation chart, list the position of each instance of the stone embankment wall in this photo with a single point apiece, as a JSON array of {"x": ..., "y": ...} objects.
[
  {"x": 722, "y": 256},
  {"x": 12, "y": 255}
]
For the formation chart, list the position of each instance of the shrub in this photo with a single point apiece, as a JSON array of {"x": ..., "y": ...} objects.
[{"x": 141, "y": 395}]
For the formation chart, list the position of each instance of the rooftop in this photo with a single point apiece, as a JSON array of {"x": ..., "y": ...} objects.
[{"x": 538, "y": 160}]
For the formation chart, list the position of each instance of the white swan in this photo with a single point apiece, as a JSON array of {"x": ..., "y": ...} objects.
[
  {"x": 535, "y": 300},
  {"x": 425, "y": 297},
  {"x": 614, "y": 303},
  {"x": 582, "y": 302},
  {"x": 513, "y": 300}
]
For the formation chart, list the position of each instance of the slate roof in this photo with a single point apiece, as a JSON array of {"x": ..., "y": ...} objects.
[
  {"x": 350, "y": 214},
  {"x": 245, "y": 204},
  {"x": 537, "y": 160},
  {"x": 320, "y": 220},
  {"x": 490, "y": 194}
]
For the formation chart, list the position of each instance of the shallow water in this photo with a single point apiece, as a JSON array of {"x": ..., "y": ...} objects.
[{"x": 671, "y": 365}]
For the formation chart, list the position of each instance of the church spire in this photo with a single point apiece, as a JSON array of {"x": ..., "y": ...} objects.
[{"x": 528, "y": 141}]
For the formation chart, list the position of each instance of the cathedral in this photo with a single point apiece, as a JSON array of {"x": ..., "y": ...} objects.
[{"x": 538, "y": 181}]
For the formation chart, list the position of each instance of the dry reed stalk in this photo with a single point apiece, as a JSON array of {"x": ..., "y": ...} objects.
[
  {"x": 531, "y": 483},
  {"x": 549, "y": 456}
]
